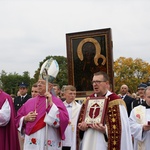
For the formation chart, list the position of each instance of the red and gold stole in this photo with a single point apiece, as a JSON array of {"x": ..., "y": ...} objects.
[
  {"x": 113, "y": 122},
  {"x": 79, "y": 121}
]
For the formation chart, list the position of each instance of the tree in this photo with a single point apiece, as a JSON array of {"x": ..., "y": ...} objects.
[
  {"x": 62, "y": 77},
  {"x": 126, "y": 71},
  {"x": 9, "y": 83},
  {"x": 130, "y": 72}
]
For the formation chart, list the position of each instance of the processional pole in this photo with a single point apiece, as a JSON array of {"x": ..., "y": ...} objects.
[{"x": 48, "y": 72}]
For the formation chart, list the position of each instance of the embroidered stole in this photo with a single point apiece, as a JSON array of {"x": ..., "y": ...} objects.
[
  {"x": 75, "y": 112},
  {"x": 79, "y": 121},
  {"x": 113, "y": 123},
  {"x": 140, "y": 113}
]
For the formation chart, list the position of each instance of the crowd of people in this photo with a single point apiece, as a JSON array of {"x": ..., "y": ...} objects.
[{"x": 54, "y": 120}]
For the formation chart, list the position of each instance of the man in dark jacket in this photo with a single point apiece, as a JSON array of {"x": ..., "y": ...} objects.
[
  {"x": 127, "y": 99},
  {"x": 20, "y": 100},
  {"x": 141, "y": 96}
]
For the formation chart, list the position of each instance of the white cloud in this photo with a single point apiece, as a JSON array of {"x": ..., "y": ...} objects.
[{"x": 32, "y": 30}]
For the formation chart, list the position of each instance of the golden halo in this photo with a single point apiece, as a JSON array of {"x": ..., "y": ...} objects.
[{"x": 97, "y": 47}]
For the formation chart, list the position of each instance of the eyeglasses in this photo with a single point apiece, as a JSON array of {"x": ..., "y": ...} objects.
[{"x": 97, "y": 82}]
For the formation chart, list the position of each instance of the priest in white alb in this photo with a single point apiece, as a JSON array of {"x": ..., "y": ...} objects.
[{"x": 140, "y": 123}]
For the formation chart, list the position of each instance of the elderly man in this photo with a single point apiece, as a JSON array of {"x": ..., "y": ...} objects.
[
  {"x": 127, "y": 99},
  {"x": 115, "y": 134},
  {"x": 43, "y": 126}
]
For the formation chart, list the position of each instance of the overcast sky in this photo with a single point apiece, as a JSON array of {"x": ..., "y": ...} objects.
[{"x": 31, "y": 30}]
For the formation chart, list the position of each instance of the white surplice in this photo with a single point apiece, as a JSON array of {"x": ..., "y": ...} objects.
[
  {"x": 70, "y": 132},
  {"x": 5, "y": 113},
  {"x": 138, "y": 117},
  {"x": 36, "y": 140},
  {"x": 94, "y": 140}
]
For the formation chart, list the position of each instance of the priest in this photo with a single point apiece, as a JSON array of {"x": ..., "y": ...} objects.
[
  {"x": 43, "y": 119},
  {"x": 140, "y": 123},
  {"x": 115, "y": 132}
]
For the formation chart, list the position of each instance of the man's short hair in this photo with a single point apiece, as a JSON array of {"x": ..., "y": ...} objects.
[
  {"x": 35, "y": 85},
  {"x": 104, "y": 74}
]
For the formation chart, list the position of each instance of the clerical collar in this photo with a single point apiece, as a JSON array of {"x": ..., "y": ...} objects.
[
  {"x": 106, "y": 95},
  {"x": 95, "y": 95},
  {"x": 145, "y": 104}
]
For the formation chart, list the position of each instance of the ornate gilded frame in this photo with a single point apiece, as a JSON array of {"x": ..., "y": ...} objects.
[
  {"x": 95, "y": 110},
  {"x": 96, "y": 44}
]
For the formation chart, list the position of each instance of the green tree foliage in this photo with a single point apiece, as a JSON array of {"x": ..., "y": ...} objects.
[
  {"x": 62, "y": 77},
  {"x": 9, "y": 82},
  {"x": 130, "y": 72}
]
